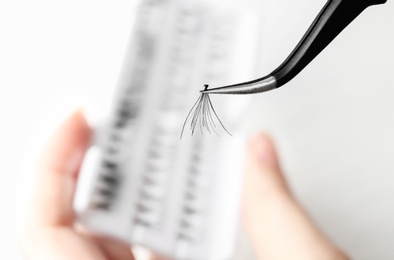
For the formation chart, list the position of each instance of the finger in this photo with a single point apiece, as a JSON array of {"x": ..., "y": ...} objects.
[
  {"x": 115, "y": 249},
  {"x": 58, "y": 243},
  {"x": 55, "y": 178},
  {"x": 277, "y": 225},
  {"x": 157, "y": 257}
]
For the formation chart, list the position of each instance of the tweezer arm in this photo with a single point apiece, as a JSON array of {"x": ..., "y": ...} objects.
[{"x": 332, "y": 19}]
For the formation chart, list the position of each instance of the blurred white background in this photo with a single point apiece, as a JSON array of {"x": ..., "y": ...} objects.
[{"x": 333, "y": 123}]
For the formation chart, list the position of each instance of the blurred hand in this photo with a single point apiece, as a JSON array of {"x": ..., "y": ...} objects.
[
  {"x": 50, "y": 232},
  {"x": 277, "y": 225}
]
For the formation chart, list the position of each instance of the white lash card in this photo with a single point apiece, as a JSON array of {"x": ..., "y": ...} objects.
[{"x": 139, "y": 182}]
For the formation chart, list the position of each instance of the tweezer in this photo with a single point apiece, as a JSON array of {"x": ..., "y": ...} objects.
[{"x": 332, "y": 19}]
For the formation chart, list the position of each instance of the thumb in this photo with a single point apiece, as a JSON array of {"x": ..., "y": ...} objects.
[
  {"x": 55, "y": 179},
  {"x": 277, "y": 225}
]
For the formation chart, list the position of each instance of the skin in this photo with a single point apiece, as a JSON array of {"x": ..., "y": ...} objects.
[{"x": 277, "y": 225}]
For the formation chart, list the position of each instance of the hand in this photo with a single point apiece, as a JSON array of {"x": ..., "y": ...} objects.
[
  {"x": 50, "y": 232},
  {"x": 277, "y": 225}
]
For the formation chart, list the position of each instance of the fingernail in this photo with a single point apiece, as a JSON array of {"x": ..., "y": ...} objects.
[{"x": 265, "y": 151}]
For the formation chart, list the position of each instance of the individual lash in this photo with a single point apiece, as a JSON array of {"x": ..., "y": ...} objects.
[{"x": 202, "y": 115}]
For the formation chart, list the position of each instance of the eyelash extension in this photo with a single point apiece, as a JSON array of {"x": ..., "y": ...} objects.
[{"x": 201, "y": 115}]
